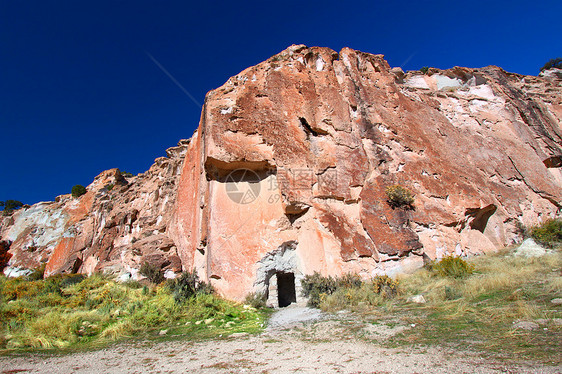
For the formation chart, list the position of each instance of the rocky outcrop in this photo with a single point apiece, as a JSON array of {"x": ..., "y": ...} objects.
[
  {"x": 117, "y": 225},
  {"x": 288, "y": 170},
  {"x": 320, "y": 136}
]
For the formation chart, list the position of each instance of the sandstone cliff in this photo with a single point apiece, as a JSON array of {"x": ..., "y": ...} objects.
[
  {"x": 287, "y": 173},
  {"x": 117, "y": 225}
]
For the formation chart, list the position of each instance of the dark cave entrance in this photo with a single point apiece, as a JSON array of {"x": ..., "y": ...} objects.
[{"x": 286, "y": 293}]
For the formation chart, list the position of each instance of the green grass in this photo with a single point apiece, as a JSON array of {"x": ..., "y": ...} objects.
[
  {"x": 549, "y": 233},
  {"x": 56, "y": 313}
]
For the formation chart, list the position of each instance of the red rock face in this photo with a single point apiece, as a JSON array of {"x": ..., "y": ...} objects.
[
  {"x": 326, "y": 133},
  {"x": 288, "y": 170},
  {"x": 120, "y": 223}
]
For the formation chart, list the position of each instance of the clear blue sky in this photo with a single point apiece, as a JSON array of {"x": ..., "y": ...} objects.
[{"x": 79, "y": 93}]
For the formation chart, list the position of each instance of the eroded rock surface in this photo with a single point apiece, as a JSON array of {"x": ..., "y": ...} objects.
[
  {"x": 117, "y": 225},
  {"x": 294, "y": 155}
]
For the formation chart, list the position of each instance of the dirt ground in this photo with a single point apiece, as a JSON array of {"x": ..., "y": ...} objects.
[{"x": 297, "y": 340}]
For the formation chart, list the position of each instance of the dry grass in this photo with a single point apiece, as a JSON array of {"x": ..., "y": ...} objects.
[
  {"x": 476, "y": 311},
  {"x": 480, "y": 311}
]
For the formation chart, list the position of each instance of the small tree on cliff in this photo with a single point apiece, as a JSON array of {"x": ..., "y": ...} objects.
[
  {"x": 552, "y": 64},
  {"x": 10, "y": 205},
  {"x": 78, "y": 190}
]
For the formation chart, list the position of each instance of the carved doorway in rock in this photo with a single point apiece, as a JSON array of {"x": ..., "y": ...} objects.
[{"x": 286, "y": 293}]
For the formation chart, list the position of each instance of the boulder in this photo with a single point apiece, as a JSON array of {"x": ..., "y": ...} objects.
[{"x": 530, "y": 248}]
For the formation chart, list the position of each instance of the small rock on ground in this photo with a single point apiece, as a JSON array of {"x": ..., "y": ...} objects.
[
  {"x": 526, "y": 325},
  {"x": 530, "y": 248}
]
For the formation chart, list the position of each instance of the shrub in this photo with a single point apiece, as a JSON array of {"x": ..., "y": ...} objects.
[
  {"x": 424, "y": 70},
  {"x": 10, "y": 205},
  {"x": 349, "y": 280},
  {"x": 316, "y": 287},
  {"x": 19, "y": 288},
  {"x": 399, "y": 196},
  {"x": 78, "y": 190},
  {"x": 385, "y": 286},
  {"x": 351, "y": 291},
  {"x": 256, "y": 300},
  {"x": 38, "y": 273},
  {"x": 549, "y": 233},
  {"x": 188, "y": 285},
  {"x": 451, "y": 266},
  {"x": 153, "y": 273},
  {"x": 553, "y": 63}
]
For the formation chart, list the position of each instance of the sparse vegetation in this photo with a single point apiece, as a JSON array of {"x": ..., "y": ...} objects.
[
  {"x": 399, "y": 197},
  {"x": 9, "y": 206},
  {"x": 451, "y": 266},
  {"x": 331, "y": 293},
  {"x": 188, "y": 285},
  {"x": 316, "y": 287},
  {"x": 473, "y": 304},
  {"x": 152, "y": 272},
  {"x": 424, "y": 70},
  {"x": 256, "y": 300},
  {"x": 73, "y": 311},
  {"x": 479, "y": 310},
  {"x": 553, "y": 63},
  {"x": 78, "y": 190},
  {"x": 549, "y": 233}
]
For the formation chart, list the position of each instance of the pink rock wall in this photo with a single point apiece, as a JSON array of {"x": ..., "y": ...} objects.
[
  {"x": 322, "y": 134},
  {"x": 288, "y": 169}
]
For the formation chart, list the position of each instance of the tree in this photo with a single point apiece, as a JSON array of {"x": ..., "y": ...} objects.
[
  {"x": 555, "y": 63},
  {"x": 10, "y": 205},
  {"x": 78, "y": 190}
]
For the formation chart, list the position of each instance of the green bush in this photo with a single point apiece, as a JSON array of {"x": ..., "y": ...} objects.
[
  {"x": 549, "y": 233},
  {"x": 78, "y": 190},
  {"x": 316, "y": 287},
  {"x": 187, "y": 285},
  {"x": 424, "y": 70},
  {"x": 385, "y": 286},
  {"x": 349, "y": 280},
  {"x": 152, "y": 272},
  {"x": 10, "y": 205},
  {"x": 399, "y": 196},
  {"x": 553, "y": 63},
  {"x": 37, "y": 273},
  {"x": 256, "y": 300},
  {"x": 451, "y": 266}
]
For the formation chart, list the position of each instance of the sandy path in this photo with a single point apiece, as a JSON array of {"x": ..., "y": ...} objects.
[{"x": 317, "y": 345}]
